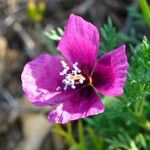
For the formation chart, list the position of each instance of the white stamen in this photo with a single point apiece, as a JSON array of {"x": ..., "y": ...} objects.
[
  {"x": 72, "y": 78},
  {"x": 66, "y": 68},
  {"x": 61, "y": 73},
  {"x": 63, "y": 64},
  {"x": 81, "y": 81},
  {"x": 74, "y": 72},
  {"x": 66, "y": 86},
  {"x": 58, "y": 88},
  {"x": 73, "y": 86},
  {"x": 75, "y": 64},
  {"x": 79, "y": 71}
]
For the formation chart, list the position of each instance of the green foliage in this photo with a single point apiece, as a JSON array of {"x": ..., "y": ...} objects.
[
  {"x": 51, "y": 37},
  {"x": 110, "y": 37},
  {"x": 80, "y": 142},
  {"x": 54, "y": 35},
  {"x": 124, "y": 141},
  {"x": 69, "y": 137},
  {"x": 138, "y": 85}
]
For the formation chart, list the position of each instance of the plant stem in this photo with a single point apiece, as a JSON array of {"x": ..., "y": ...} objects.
[{"x": 146, "y": 10}]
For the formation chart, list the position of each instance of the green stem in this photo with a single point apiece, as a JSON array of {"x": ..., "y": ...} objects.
[
  {"x": 70, "y": 137},
  {"x": 145, "y": 9},
  {"x": 141, "y": 107},
  {"x": 81, "y": 136}
]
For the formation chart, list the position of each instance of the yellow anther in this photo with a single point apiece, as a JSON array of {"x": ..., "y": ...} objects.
[{"x": 77, "y": 77}]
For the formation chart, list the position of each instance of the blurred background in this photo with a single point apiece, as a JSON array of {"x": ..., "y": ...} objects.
[{"x": 31, "y": 27}]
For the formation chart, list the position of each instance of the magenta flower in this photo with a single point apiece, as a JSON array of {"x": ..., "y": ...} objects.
[{"x": 70, "y": 84}]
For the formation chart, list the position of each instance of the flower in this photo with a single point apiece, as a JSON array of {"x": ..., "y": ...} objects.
[{"x": 70, "y": 84}]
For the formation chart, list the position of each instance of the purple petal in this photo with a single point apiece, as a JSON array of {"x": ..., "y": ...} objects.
[
  {"x": 40, "y": 78},
  {"x": 76, "y": 107},
  {"x": 110, "y": 72},
  {"x": 80, "y": 42}
]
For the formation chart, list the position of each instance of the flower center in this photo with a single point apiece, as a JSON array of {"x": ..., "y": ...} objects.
[
  {"x": 90, "y": 81},
  {"x": 71, "y": 77}
]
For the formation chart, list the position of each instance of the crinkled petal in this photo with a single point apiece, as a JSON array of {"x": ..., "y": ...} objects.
[
  {"x": 40, "y": 78},
  {"x": 76, "y": 107},
  {"x": 110, "y": 72},
  {"x": 80, "y": 42}
]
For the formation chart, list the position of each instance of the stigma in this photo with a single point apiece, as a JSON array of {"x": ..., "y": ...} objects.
[{"x": 72, "y": 77}]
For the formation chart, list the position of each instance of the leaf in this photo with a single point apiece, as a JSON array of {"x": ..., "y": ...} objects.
[{"x": 54, "y": 34}]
